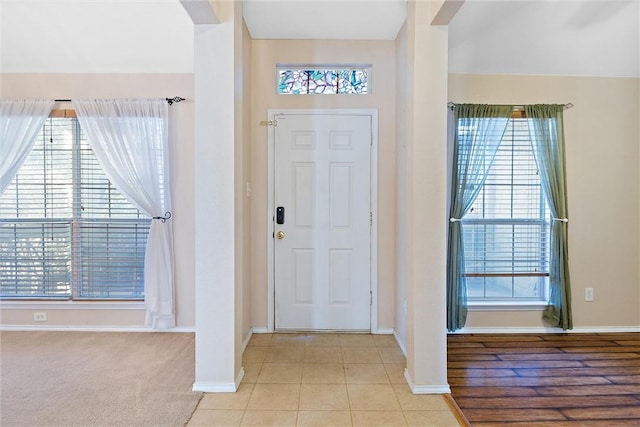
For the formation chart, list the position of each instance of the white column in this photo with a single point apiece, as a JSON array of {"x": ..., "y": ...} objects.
[
  {"x": 426, "y": 163},
  {"x": 218, "y": 350}
]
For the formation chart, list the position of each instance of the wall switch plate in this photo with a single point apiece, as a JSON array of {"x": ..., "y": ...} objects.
[
  {"x": 39, "y": 317},
  {"x": 588, "y": 294}
]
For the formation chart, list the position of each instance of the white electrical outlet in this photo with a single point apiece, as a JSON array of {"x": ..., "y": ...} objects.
[
  {"x": 39, "y": 317},
  {"x": 588, "y": 294}
]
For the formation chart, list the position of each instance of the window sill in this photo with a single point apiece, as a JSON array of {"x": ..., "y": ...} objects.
[
  {"x": 71, "y": 305},
  {"x": 506, "y": 306}
]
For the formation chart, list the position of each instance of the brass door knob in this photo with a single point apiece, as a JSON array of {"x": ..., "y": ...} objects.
[{"x": 280, "y": 235}]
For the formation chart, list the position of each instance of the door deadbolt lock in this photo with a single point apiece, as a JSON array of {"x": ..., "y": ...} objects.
[
  {"x": 280, "y": 235},
  {"x": 280, "y": 215}
]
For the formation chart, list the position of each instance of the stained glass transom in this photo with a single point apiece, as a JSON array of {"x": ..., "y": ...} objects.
[{"x": 322, "y": 81}]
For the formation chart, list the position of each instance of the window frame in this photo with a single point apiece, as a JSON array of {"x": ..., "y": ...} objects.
[
  {"x": 544, "y": 221},
  {"x": 367, "y": 68},
  {"x": 76, "y": 222}
]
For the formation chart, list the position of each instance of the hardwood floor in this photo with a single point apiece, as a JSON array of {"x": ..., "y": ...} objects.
[{"x": 547, "y": 379}]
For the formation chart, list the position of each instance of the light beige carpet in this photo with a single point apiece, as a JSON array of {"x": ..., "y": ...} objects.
[{"x": 96, "y": 379}]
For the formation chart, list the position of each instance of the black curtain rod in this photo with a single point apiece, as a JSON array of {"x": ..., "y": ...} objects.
[
  {"x": 451, "y": 105},
  {"x": 170, "y": 101}
]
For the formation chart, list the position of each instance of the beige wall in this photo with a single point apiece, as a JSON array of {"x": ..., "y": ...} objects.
[
  {"x": 603, "y": 158},
  {"x": 381, "y": 54},
  {"x": 66, "y": 86}
]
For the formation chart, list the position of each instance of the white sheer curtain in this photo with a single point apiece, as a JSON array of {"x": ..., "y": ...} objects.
[
  {"x": 130, "y": 140},
  {"x": 20, "y": 122}
]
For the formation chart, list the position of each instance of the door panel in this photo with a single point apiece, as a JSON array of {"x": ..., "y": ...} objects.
[{"x": 322, "y": 180}]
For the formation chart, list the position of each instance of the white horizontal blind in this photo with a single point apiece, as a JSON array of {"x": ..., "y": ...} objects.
[
  {"x": 64, "y": 230},
  {"x": 110, "y": 235},
  {"x": 35, "y": 220},
  {"x": 506, "y": 231},
  {"x": 34, "y": 259}
]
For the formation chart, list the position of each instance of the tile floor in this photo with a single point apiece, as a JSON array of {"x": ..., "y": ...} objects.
[{"x": 323, "y": 380}]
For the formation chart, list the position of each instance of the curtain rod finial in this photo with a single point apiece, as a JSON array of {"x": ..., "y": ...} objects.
[{"x": 170, "y": 101}]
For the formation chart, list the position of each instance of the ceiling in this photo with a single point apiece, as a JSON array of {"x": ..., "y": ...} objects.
[
  {"x": 558, "y": 37},
  {"x": 95, "y": 36},
  {"x": 588, "y": 38},
  {"x": 325, "y": 19}
]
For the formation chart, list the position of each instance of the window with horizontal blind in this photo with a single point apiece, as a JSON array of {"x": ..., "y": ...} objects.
[
  {"x": 506, "y": 231},
  {"x": 65, "y": 231}
]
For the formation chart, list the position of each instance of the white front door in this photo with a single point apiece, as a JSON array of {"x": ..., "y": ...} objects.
[{"x": 322, "y": 221}]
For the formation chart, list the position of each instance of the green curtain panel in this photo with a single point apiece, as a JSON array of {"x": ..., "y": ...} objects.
[
  {"x": 477, "y": 135},
  {"x": 547, "y": 138}
]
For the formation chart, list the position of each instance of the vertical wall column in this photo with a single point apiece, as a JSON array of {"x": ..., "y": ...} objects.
[
  {"x": 218, "y": 299},
  {"x": 425, "y": 216}
]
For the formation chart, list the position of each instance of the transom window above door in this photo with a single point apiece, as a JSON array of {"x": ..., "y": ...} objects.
[{"x": 322, "y": 80}]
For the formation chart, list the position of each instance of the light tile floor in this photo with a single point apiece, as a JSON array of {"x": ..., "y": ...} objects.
[{"x": 323, "y": 380}]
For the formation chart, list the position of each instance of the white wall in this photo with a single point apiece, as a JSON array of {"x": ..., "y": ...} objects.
[
  {"x": 424, "y": 212},
  {"x": 402, "y": 119},
  {"x": 246, "y": 178},
  {"x": 221, "y": 141},
  {"x": 603, "y": 159}
]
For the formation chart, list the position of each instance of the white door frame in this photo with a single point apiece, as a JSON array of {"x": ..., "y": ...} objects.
[{"x": 272, "y": 113}]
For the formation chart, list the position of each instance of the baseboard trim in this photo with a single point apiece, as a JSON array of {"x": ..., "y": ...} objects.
[
  {"x": 548, "y": 330},
  {"x": 214, "y": 388},
  {"x": 246, "y": 340},
  {"x": 239, "y": 378},
  {"x": 72, "y": 328},
  {"x": 400, "y": 342},
  {"x": 220, "y": 387},
  {"x": 384, "y": 331},
  {"x": 71, "y": 305},
  {"x": 260, "y": 330},
  {"x": 426, "y": 389}
]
